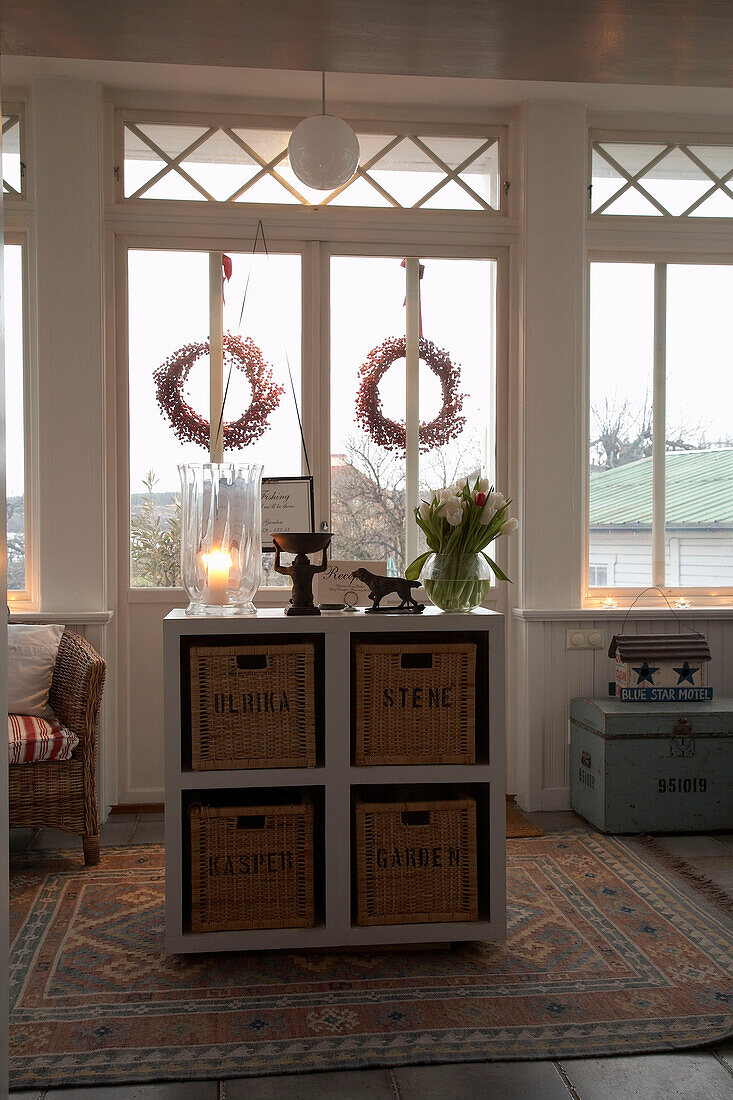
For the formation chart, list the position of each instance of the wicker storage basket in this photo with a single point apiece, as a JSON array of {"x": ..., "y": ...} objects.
[
  {"x": 415, "y": 703},
  {"x": 416, "y": 861},
  {"x": 251, "y": 867},
  {"x": 253, "y": 706}
]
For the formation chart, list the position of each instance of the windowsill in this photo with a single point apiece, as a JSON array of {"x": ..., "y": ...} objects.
[
  {"x": 68, "y": 618},
  {"x": 581, "y": 614},
  {"x": 266, "y": 597}
]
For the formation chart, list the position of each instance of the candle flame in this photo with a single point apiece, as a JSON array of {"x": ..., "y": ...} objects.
[
  {"x": 218, "y": 560},
  {"x": 609, "y": 603}
]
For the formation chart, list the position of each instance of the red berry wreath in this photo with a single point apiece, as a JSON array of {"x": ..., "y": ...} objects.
[
  {"x": 447, "y": 425},
  {"x": 187, "y": 424}
]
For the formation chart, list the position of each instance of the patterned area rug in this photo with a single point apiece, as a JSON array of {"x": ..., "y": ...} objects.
[{"x": 609, "y": 952}]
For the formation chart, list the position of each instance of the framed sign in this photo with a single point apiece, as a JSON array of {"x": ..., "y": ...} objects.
[
  {"x": 287, "y": 505},
  {"x": 337, "y": 588}
]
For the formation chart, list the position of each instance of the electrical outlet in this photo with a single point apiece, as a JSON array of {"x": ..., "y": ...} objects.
[{"x": 584, "y": 639}]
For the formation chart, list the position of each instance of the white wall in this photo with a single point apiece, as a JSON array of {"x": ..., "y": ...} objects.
[
  {"x": 552, "y": 674},
  {"x": 545, "y": 431}
]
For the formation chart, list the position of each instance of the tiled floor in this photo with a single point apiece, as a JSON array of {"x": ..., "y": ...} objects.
[{"x": 697, "y": 1075}]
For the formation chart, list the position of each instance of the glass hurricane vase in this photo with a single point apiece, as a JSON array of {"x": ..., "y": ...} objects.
[
  {"x": 457, "y": 582},
  {"x": 221, "y": 536}
]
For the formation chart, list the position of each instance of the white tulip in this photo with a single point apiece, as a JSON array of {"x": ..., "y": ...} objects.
[
  {"x": 510, "y": 526},
  {"x": 454, "y": 516},
  {"x": 482, "y": 485},
  {"x": 424, "y": 510},
  {"x": 447, "y": 496},
  {"x": 461, "y": 484},
  {"x": 495, "y": 500},
  {"x": 487, "y": 514}
]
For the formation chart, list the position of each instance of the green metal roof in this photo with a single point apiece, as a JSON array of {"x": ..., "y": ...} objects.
[{"x": 699, "y": 491}]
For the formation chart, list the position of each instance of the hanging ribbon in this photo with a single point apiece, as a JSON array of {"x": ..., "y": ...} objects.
[
  {"x": 419, "y": 294},
  {"x": 226, "y": 273}
]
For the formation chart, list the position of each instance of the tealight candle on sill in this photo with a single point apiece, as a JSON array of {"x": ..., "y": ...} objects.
[
  {"x": 608, "y": 604},
  {"x": 217, "y": 565},
  {"x": 681, "y": 602}
]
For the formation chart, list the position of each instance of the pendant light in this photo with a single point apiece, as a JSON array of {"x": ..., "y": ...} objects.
[{"x": 323, "y": 150}]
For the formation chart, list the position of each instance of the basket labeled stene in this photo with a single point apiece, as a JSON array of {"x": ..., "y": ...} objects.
[
  {"x": 415, "y": 703},
  {"x": 416, "y": 861},
  {"x": 251, "y": 867},
  {"x": 253, "y": 706}
]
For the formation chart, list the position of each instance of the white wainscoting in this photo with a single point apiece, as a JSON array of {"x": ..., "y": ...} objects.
[{"x": 548, "y": 676}]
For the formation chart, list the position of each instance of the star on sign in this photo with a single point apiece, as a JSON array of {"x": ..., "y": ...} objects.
[
  {"x": 645, "y": 673},
  {"x": 686, "y": 673}
]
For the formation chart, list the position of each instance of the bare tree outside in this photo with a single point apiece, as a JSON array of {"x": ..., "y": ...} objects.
[
  {"x": 368, "y": 494},
  {"x": 15, "y": 513},
  {"x": 620, "y": 434}
]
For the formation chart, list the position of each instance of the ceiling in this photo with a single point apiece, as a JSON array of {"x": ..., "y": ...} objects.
[{"x": 660, "y": 42}]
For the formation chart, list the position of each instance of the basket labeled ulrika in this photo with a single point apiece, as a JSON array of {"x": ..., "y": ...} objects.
[
  {"x": 253, "y": 706},
  {"x": 416, "y": 861},
  {"x": 415, "y": 703},
  {"x": 251, "y": 867}
]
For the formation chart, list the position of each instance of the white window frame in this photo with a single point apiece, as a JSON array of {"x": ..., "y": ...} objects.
[
  {"x": 205, "y": 119},
  {"x": 315, "y": 387},
  {"x": 12, "y": 107},
  {"x": 318, "y": 232},
  {"x": 663, "y": 220},
  {"x": 28, "y": 599},
  {"x": 708, "y": 595}
]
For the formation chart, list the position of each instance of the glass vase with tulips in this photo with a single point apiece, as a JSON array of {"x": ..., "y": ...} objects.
[{"x": 459, "y": 521}]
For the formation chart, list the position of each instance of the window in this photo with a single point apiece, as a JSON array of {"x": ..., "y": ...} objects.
[
  {"x": 218, "y": 163},
  {"x": 262, "y": 300},
  {"x": 598, "y": 576},
  {"x": 15, "y": 419},
  {"x": 371, "y": 515},
  {"x": 661, "y": 424},
  {"x": 13, "y": 167},
  {"x": 662, "y": 179}
]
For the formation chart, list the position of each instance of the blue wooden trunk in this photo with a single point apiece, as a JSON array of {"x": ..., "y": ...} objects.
[{"x": 652, "y": 767}]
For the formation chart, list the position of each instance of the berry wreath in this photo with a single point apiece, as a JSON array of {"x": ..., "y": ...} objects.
[
  {"x": 390, "y": 434},
  {"x": 188, "y": 425}
]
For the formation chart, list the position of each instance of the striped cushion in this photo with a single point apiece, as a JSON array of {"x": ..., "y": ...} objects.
[{"x": 32, "y": 739}]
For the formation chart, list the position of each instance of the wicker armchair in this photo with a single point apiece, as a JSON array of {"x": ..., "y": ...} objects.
[{"x": 63, "y": 794}]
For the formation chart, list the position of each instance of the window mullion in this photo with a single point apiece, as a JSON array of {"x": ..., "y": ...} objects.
[
  {"x": 216, "y": 358},
  {"x": 659, "y": 418},
  {"x": 412, "y": 404}
]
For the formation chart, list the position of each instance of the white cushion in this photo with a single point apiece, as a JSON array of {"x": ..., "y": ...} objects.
[{"x": 31, "y": 656}]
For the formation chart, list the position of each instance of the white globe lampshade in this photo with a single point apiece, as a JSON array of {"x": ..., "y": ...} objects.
[{"x": 323, "y": 152}]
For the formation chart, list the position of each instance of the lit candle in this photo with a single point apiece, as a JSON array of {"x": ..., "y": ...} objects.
[
  {"x": 682, "y": 602},
  {"x": 217, "y": 565},
  {"x": 609, "y": 603}
]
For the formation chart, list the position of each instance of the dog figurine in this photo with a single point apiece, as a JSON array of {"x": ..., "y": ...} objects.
[{"x": 379, "y": 587}]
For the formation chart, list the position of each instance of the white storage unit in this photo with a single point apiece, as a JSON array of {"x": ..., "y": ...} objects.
[{"x": 335, "y": 783}]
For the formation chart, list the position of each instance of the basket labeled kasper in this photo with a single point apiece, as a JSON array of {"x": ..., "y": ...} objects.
[
  {"x": 416, "y": 861},
  {"x": 253, "y": 706},
  {"x": 251, "y": 866},
  {"x": 415, "y": 703}
]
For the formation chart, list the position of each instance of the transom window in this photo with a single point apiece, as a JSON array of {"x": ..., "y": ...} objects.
[
  {"x": 13, "y": 168},
  {"x": 662, "y": 179},
  {"x": 242, "y": 164}
]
